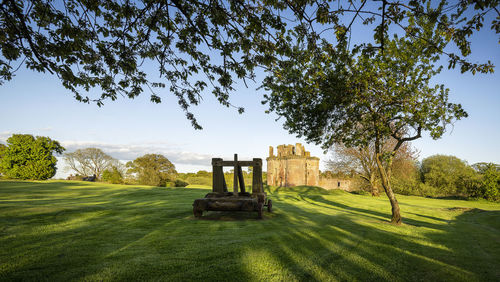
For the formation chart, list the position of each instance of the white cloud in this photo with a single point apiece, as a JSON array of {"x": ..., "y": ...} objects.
[
  {"x": 4, "y": 135},
  {"x": 132, "y": 151}
]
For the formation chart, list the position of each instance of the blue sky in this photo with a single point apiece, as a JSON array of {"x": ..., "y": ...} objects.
[{"x": 36, "y": 103}]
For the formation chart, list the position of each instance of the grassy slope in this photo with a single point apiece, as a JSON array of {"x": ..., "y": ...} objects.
[{"x": 62, "y": 230}]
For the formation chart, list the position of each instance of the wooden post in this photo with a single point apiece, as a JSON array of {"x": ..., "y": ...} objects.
[
  {"x": 223, "y": 180},
  {"x": 235, "y": 173},
  {"x": 217, "y": 176},
  {"x": 240, "y": 178},
  {"x": 257, "y": 176}
]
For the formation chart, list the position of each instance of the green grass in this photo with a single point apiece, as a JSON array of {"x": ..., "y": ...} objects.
[{"x": 63, "y": 230}]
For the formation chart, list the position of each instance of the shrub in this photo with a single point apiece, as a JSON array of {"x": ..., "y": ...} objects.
[
  {"x": 407, "y": 186},
  {"x": 426, "y": 190},
  {"x": 180, "y": 183},
  {"x": 112, "y": 175},
  {"x": 450, "y": 175},
  {"x": 75, "y": 177}
]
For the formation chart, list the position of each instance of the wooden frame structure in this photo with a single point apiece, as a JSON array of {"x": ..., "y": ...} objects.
[
  {"x": 220, "y": 199},
  {"x": 219, "y": 183}
]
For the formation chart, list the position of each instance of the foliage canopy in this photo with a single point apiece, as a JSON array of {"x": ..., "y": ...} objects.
[
  {"x": 449, "y": 174},
  {"x": 152, "y": 169},
  {"x": 198, "y": 45},
  {"x": 2, "y": 151},
  {"x": 28, "y": 157},
  {"x": 490, "y": 186}
]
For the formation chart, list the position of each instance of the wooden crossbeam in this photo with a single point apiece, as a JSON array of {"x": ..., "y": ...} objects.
[{"x": 220, "y": 162}]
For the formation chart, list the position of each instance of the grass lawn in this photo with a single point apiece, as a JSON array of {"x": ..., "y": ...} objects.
[{"x": 65, "y": 230}]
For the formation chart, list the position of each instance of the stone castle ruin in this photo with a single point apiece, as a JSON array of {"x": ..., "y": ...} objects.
[{"x": 292, "y": 166}]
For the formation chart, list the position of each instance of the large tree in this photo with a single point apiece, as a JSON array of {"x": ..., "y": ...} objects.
[
  {"x": 28, "y": 157},
  {"x": 152, "y": 169},
  {"x": 330, "y": 95},
  {"x": 89, "y": 161},
  {"x": 196, "y": 45}
]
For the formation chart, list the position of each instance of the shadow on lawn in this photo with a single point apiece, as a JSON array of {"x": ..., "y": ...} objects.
[
  {"x": 345, "y": 248},
  {"x": 150, "y": 234}
]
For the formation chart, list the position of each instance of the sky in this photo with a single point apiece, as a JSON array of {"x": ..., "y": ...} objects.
[{"x": 36, "y": 103}]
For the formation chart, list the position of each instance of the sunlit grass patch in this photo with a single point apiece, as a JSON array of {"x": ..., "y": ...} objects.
[{"x": 70, "y": 230}]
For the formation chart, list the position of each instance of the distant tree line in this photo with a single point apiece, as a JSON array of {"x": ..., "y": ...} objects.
[
  {"x": 26, "y": 156},
  {"x": 150, "y": 169},
  {"x": 434, "y": 176}
]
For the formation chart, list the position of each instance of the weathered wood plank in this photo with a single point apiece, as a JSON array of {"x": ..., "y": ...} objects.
[
  {"x": 235, "y": 173},
  {"x": 240, "y": 178},
  {"x": 224, "y": 180},
  {"x": 218, "y": 179},
  {"x": 257, "y": 177}
]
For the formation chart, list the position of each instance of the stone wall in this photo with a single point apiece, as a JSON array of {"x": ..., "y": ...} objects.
[
  {"x": 292, "y": 166},
  {"x": 336, "y": 183}
]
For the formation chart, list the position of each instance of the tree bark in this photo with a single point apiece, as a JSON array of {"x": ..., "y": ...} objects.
[
  {"x": 385, "y": 180},
  {"x": 373, "y": 186}
]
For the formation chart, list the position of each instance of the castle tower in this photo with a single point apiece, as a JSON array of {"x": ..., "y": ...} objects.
[{"x": 292, "y": 166}]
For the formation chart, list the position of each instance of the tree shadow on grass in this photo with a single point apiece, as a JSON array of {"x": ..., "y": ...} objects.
[
  {"x": 150, "y": 234},
  {"x": 384, "y": 216},
  {"x": 451, "y": 249},
  {"x": 338, "y": 247}
]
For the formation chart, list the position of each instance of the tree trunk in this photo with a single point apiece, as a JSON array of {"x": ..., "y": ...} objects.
[
  {"x": 373, "y": 186},
  {"x": 396, "y": 215},
  {"x": 385, "y": 180}
]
